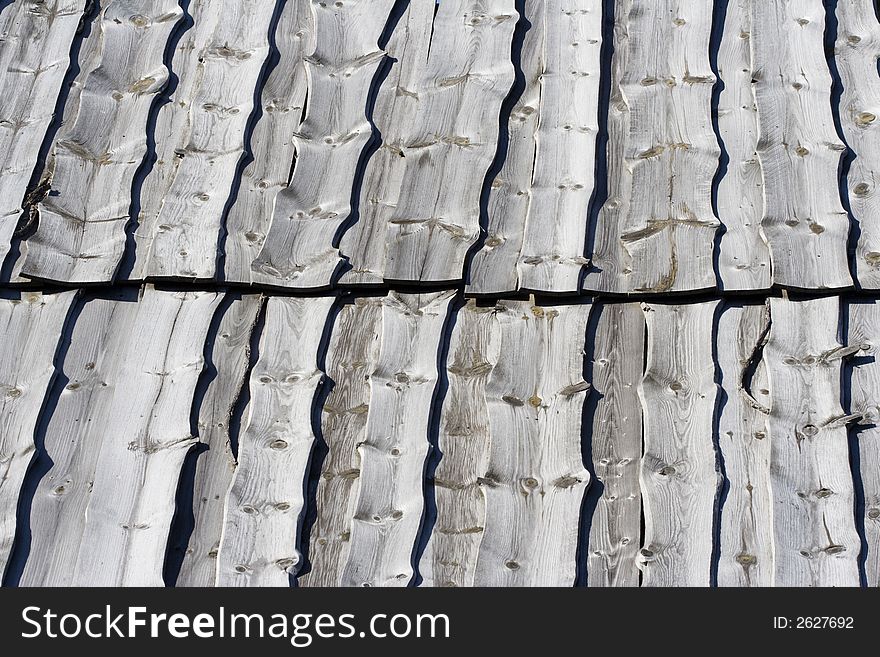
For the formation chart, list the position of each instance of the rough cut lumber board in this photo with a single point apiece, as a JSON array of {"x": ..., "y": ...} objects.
[
  {"x": 804, "y": 223},
  {"x": 81, "y": 233},
  {"x": 300, "y": 248},
  {"x": 35, "y": 41},
  {"x": 200, "y": 138},
  {"x": 390, "y": 502},
  {"x": 266, "y": 499},
  {"x": 561, "y": 52},
  {"x": 657, "y": 228},
  {"x": 814, "y": 534},
  {"x": 864, "y": 330},
  {"x": 30, "y": 329},
  {"x": 351, "y": 359},
  {"x": 743, "y": 258},
  {"x": 678, "y": 477},
  {"x": 397, "y": 102},
  {"x": 746, "y": 549},
  {"x": 117, "y": 440},
  {"x": 271, "y": 144},
  {"x": 618, "y": 364},
  {"x": 856, "y": 53},
  {"x": 450, "y": 558},
  {"x": 230, "y": 358},
  {"x": 535, "y": 480}
]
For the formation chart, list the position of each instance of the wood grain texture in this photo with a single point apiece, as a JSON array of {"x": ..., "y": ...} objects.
[
  {"x": 35, "y": 41},
  {"x": 679, "y": 480},
  {"x": 30, "y": 329},
  {"x": 856, "y": 52},
  {"x": 743, "y": 256},
  {"x": 82, "y": 220},
  {"x": 746, "y": 549},
  {"x": 272, "y": 143},
  {"x": 261, "y": 521},
  {"x": 200, "y": 138},
  {"x": 300, "y": 248},
  {"x": 390, "y": 501},
  {"x": 546, "y": 231},
  {"x": 814, "y": 534},
  {"x": 804, "y": 223},
  {"x": 535, "y": 480},
  {"x": 351, "y": 359},
  {"x": 864, "y": 330},
  {"x": 117, "y": 439},
  {"x": 656, "y": 231},
  {"x": 450, "y": 558},
  {"x": 618, "y": 364},
  {"x": 230, "y": 358}
]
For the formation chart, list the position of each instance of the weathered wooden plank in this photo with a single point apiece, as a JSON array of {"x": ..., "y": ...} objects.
[
  {"x": 450, "y": 558},
  {"x": 678, "y": 476},
  {"x": 117, "y": 439},
  {"x": 272, "y": 146},
  {"x": 230, "y": 358},
  {"x": 864, "y": 330},
  {"x": 743, "y": 258},
  {"x": 81, "y": 233},
  {"x": 35, "y": 41},
  {"x": 258, "y": 546},
  {"x": 814, "y": 536},
  {"x": 30, "y": 329},
  {"x": 351, "y": 359},
  {"x": 390, "y": 502},
  {"x": 803, "y": 222},
  {"x": 299, "y": 250},
  {"x": 856, "y": 52},
  {"x": 746, "y": 549},
  {"x": 200, "y": 138},
  {"x": 535, "y": 480},
  {"x": 618, "y": 364},
  {"x": 553, "y": 144},
  {"x": 656, "y": 230}
]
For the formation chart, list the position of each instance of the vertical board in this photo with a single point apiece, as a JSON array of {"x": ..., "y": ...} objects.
[
  {"x": 102, "y": 143},
  {"x": 814, "y": 534},
  {"x": 200, "y": 138},
  {"x": 230, "y": 357},
  {"x": 30, "y": 330},
  {"x": 117, "y": 439},
  {"x": 803, "y": 222},
  {"x": 618, "y": 365},
  {"x": 678, "y": 477},
  {"x": 535, "y": 478},
  {"x": 265, "y": 503},
  {"x": 746, "y": 549}
]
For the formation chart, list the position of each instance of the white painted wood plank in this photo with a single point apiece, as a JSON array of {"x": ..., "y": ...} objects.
[
  {"x": 30, "y": 329},
  {"x": 395, "y": 445},
  {"x": 803, "y": 222},
  {"x": 230, "y": 358},
  {"x": 200, "y": 138},
  {"x": 814, "y": 534},
  {"x": 535, "y": 480},
  {"x": 856, "y": 52},
  {"x": 265, "y": 502},
  {"x": 351, "y": 359},
  {"x": 300, "y": 248},
  {"x": 678, "y": 477},
  {"x": 618, "y": 364},
  {"x": 35, "y": 41},
  {"x": 81, "y": 233},
  {"x": 746, "y": 549},
  {"x": 743, "y": 257},
  {"x": 117, "y": 440}
]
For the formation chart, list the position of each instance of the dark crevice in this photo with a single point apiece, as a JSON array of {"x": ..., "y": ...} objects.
[
  {"x": 723, "y": 487},
  {"x": 719, "y": 17},
  {"x": 237, "y": 417}
]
